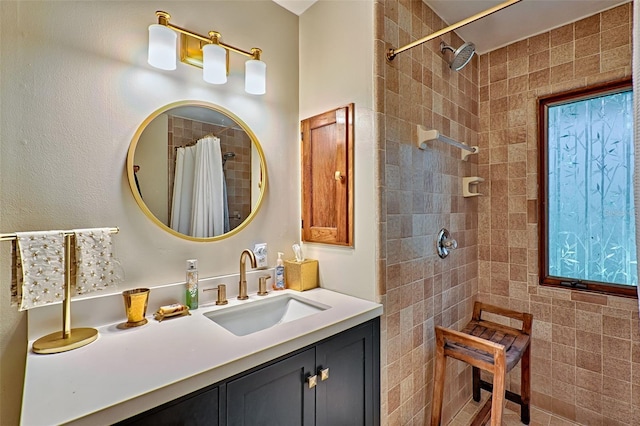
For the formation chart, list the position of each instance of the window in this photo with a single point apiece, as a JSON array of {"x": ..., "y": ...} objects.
[{"x": 587, "y": 225}]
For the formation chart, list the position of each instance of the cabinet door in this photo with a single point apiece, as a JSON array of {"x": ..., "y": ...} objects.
[
  {"x": 196, "y": 409},
  {"x": 327, "y": 177},
  {"x": 349, "y": 396},
  {"x": 274, "y": 395}
]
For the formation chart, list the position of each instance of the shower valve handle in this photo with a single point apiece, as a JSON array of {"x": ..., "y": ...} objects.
[
  {"x": 444, "y": 244},
  {"x": 450, "y": 244}
]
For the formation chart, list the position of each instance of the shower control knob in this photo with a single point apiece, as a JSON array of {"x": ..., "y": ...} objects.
[
  {"x": 450, "y": 244},
  {"x": 444, "y": 244}
]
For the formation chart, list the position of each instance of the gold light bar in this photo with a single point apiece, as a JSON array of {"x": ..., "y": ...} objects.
[
  {"x": 191, "y": 43},
  {"x": 391, "y": 54}
]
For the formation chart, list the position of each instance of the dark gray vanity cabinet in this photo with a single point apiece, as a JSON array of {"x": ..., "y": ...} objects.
[
  {"x": 197, "y": 408},
  {"x": 273, "y": 395},
  {"x": 346, "y": 389},
  {"x": 335, "y": 382},
  {"x": 349, "y": 394}
]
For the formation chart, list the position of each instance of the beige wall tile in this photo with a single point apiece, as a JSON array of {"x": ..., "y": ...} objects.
[
  {"x": 561, "y": 54},
  {"x": 539, "y": 60},
  {"x": 539, "y": 43},
  {"x": 421, "y": 193},
  {"x": 615, "y": 17},
  {"x": 585, "y": 345},
  {"x": 587, "y": 26},
  {"x": 587, "y": 46},
  {"x": 562, "y": 35}
]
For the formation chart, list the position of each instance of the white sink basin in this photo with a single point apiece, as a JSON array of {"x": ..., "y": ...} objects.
[{"x": 259, "y": 315}]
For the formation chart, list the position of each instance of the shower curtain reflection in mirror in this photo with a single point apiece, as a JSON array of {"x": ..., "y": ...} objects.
[{"x": 199, "y": 204}]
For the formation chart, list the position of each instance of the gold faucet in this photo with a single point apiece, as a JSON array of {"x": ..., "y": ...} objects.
[{"x": 242, "y": 291}]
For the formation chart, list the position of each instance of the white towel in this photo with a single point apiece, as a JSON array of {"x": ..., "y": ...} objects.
[
  {"x": 42, "y": 260},
  {"x": 16, "y": 276},
  {"x": 96, "y": 268}
]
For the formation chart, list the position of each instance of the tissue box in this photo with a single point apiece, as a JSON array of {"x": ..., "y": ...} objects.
[{"x": 301, "y": 276}]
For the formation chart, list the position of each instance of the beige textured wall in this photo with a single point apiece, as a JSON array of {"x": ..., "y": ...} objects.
[
  {"x": 75, "y": 86},
  {"x": 421, "y": 193},
  {"x": 336, "y": 65},
  {"x": 586, "y": 347}
]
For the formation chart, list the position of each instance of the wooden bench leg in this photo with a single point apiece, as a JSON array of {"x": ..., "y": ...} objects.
[
  {"x": 476, "y": 383},
  {"x": 438, "y": 381},
  {"x": 525, "y": 386},
  {"x": 497, "y": 397}
]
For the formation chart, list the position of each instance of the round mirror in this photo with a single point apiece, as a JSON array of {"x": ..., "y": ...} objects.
[{"x": 197, "y": 171}]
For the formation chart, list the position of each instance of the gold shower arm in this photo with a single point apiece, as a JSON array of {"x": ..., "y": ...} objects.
[{"x": 391, "y": 54}]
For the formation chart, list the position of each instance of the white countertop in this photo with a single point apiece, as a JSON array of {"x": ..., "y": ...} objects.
[{"x": 128, "y": 371}]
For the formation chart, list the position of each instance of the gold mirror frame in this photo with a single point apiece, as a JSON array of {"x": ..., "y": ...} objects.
[{"x": 145, "y": 208}]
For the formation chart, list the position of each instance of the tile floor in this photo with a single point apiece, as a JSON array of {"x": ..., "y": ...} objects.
[{"x": 510, "y": 417}]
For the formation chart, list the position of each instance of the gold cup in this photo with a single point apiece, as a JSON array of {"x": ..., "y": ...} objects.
[{"x": 135, "y": 305}]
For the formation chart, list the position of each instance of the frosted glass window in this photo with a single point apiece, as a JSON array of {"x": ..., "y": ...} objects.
[{"x": 590, "y": 227}]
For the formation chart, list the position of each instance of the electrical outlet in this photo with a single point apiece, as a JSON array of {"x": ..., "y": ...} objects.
[{"x": 260, "y": 250}]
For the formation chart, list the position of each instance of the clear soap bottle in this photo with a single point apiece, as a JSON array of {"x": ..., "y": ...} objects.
[
  {"x": 279, "y": 284},
  {"x": 192, "y": 284}
]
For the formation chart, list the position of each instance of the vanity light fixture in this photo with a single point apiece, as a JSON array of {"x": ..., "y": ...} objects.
[{"x": 206, "y": 52}]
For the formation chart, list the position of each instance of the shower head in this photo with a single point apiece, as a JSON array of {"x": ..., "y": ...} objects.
[
  {"x": 461, "y": 56},
  {"x": 226, "y": 156}
]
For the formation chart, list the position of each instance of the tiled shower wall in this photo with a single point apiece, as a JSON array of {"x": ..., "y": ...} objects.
[
  {"x": 586, "y": 347},
  {"x": 420, "y": 193}
]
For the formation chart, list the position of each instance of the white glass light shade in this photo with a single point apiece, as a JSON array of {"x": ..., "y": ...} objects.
[
  {"x": 162, "y": 47},
  {"x": 255, "y": 77},
  {"x": 214, "y": 64}
]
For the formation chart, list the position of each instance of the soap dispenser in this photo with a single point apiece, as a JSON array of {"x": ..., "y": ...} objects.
[
  {"x": 279, "y": 284},
  {"x": 192, "y": 284}
]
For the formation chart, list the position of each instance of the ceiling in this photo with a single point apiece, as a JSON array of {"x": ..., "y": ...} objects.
[{"x": 516, "y": 22}]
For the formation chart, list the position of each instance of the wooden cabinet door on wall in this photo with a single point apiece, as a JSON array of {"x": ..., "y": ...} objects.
[{"x": 327, "y": 177}]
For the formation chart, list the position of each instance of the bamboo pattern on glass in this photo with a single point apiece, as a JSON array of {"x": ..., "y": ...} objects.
[{"x": 590, "y": 190}]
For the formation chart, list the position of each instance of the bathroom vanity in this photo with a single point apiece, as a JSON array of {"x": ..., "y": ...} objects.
[
  {"x": 332, "y": 382},
  {"x": 192, "y": 368}
]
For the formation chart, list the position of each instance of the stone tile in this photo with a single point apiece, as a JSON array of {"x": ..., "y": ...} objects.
[
  {"x": 587, "y": 46},
  {"x": 539, "y": 61},
  {"x": 615, "y": 17},
  {"x": 540, "y": 78},
  {"x": 589, "y": 361},
  {"x": 561, "y": 35},
  {"x": 539, "y": 43},
  {"x": 586, "y": 346},
  {"x": 616, "y": 327},
  {"x": 587, "y": 26}
]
